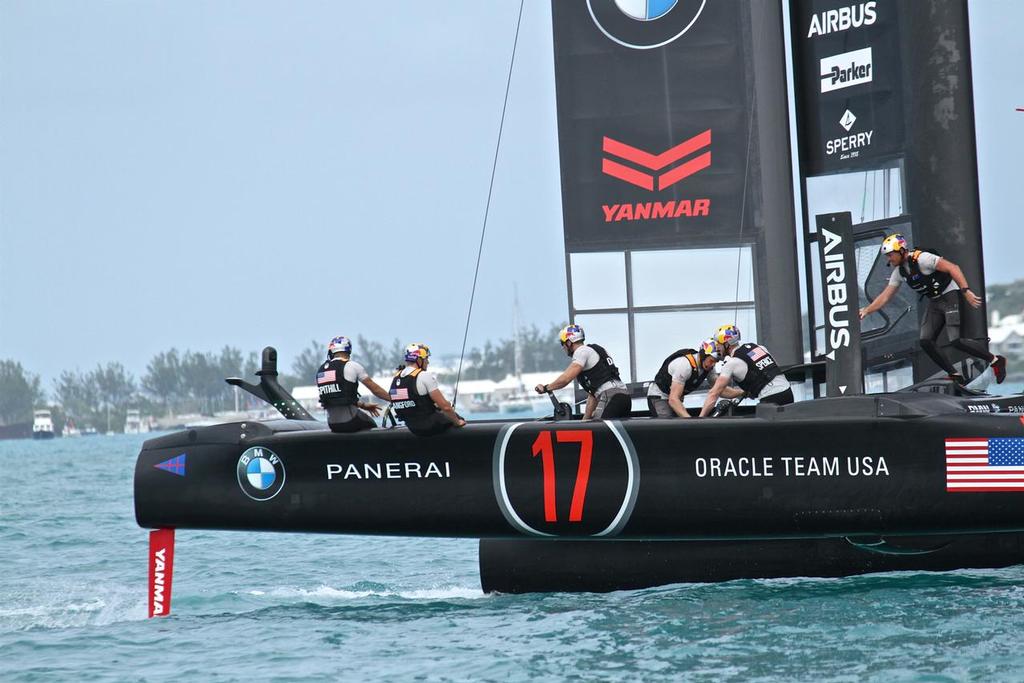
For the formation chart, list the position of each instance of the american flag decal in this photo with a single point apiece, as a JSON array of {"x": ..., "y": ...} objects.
[
  {"x": 400, "y": 394},
  {"x": 995, "y": 464},
  {"x": 757, "y": 353},
  {"x": 325, "y": 377}
]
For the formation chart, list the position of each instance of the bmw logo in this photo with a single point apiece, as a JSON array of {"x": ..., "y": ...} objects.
[
  {"x": 645, "y": 24},
  {"x": 260, "y": 473}
]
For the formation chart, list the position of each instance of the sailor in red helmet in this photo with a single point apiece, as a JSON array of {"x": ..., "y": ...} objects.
[
  {"x": 943, "y": 283},
  {"x": 337, "y": 381},
  {"x": 751, "y": 367},
  {"x": 607, "y": 396},
  {"x": 417, "y": 399}
]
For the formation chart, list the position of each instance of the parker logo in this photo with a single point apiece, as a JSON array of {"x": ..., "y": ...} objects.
[
  {"x": 842, "y": 19},
  {"x": 656, "y": 162},
  {"x": 645, "y": 24},
  {"x": 846, "y": 70},
  {"x": 849, "y": 146}
]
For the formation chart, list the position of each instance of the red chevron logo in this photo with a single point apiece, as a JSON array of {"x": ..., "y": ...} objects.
[{"x": 656, "y": 162}]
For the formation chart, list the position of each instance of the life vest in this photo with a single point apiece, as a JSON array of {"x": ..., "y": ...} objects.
[
  {"x": 334, "y": 389},
  {"x": 603, "y": 371},
  {"x": 931, "y": 286},
  {"x": 664, "y": 380},
  {"x": 408, "y": 402},
  {"x": 761, "y": 368}
]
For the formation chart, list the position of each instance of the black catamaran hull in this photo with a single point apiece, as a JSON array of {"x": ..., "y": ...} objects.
[
  {"x": 821, "y": 488},
  {"x": 530, "y": 566}
]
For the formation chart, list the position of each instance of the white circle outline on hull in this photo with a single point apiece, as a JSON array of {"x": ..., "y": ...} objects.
[{"x": 628, "y": 500}]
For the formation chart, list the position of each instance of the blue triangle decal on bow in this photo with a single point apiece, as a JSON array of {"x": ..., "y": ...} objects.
[{"x": 175, "y": 465}]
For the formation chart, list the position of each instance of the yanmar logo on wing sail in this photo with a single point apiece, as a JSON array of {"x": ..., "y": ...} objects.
[{"x": 646, "y": 169}]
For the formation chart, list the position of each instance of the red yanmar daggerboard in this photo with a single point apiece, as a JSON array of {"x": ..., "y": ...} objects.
[{"x": 161, "y": 570}]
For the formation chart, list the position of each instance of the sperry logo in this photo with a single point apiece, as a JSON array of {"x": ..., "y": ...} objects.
[
  {"x": 849, "y": 146},
  {"x": 848, "y": 120},
  {"x": 656, "y": 162}
]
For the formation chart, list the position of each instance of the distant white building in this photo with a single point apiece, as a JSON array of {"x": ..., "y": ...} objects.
[
  {"x": 1007, "y": 334},
  {"x": 308, "y": 397},
  {"x": 135, "y": 423}
]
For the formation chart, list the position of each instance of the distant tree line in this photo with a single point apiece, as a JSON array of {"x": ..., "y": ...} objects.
[
  {"x": 539, "y": 351},
  {"x": 179, "y": 382},
  {"x": 20, "y": 392},
  {"x": 1007, "y": 299}
]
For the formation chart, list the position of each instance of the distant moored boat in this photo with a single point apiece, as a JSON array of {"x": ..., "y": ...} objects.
[{"x": 42, "y": 425}]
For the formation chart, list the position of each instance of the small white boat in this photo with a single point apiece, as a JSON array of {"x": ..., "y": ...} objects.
[
  {"x": 42, "y": 425},
  {"x": 134, "y": 424}
]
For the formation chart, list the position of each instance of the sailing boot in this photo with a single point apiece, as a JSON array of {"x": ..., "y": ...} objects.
[{"x": 999, "y": 368}]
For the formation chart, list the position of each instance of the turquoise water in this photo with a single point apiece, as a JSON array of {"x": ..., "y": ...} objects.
[{"x": 272, "y": 606}]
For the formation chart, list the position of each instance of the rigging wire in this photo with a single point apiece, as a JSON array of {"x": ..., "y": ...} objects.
[
  {"x": 743, "y": 203},
  {"x": 864, "y": 197},
  {"x": 487, "y": 207},
  {"x": 874, "y": 194}
]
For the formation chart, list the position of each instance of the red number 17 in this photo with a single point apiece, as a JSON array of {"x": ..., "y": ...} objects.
[{"x": 542, "y": 446}]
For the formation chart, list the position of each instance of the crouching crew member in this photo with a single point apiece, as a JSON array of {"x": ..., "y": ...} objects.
[
  {"x": 752, "y": 368},
  {"x": 607, "y": 396},
  {"x": 337, "y": 381},
  {"x": 416, "y": 398},
  {"x": 943, "y": 283},
  {"x": 681, "y": 373}
]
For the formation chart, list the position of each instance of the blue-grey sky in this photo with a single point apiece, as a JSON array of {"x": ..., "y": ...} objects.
[{"x": 207, "y": 173}]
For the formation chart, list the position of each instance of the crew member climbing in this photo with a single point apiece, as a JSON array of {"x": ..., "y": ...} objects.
[{"x": 943, "y": 283}]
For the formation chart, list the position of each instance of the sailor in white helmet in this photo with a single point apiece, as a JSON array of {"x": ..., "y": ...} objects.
[
  {"x": 337, "y": 382},
  {"x": 607, "y": 396}
]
